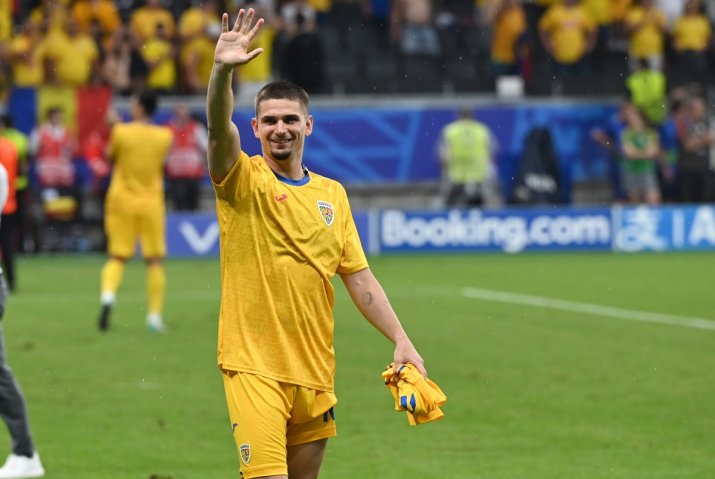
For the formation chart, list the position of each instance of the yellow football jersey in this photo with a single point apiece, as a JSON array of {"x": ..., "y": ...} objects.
[
  {"x": 139, "y": 150},
  {"x": 281, "y": 242}
]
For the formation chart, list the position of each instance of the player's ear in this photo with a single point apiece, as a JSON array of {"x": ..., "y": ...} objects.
[
  {"x": 309, "y": 125},
  {"x": 254, "y": 124}
]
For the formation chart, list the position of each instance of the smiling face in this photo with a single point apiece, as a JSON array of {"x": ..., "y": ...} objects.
[{"x": 281, "y": 126}]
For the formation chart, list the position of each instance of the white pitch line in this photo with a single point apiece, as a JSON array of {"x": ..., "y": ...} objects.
[{"x": 587, "y": 308}]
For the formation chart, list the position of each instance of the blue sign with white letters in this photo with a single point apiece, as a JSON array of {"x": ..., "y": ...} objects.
[{"x": 624, "y": 229}]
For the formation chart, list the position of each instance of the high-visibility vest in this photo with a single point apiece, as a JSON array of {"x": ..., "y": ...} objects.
[
  {"x": 468, "y": 151},
  {"x": 9, "y": 159}
]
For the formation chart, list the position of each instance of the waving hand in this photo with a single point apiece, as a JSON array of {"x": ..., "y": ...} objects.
[{"x": 232, "y": 46}]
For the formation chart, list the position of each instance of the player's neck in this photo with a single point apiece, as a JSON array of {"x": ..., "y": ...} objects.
[{"x": 291, "y": 169}]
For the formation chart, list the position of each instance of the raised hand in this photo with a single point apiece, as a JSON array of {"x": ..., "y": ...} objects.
[{"x": 232, "y": 46}]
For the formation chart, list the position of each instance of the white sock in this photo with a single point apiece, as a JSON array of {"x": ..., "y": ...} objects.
[{"x": 107, "y": 299}]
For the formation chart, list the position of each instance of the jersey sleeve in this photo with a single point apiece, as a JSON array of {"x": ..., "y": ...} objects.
[{"x": 240, "y": 180}]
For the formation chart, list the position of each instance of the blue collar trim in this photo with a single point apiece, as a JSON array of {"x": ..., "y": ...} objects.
[{"x": 292, "y": 182}]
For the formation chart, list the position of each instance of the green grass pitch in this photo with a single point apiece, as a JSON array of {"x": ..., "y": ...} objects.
[{"x": 534, "y": 392}]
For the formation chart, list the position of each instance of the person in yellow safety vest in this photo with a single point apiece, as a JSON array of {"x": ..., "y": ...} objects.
[
  {"x": 647, "y": 90},
  {"x": 465, "y": 153}
]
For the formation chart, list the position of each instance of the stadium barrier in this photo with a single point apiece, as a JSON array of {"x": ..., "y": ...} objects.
[{"x": 619, "y": 229}]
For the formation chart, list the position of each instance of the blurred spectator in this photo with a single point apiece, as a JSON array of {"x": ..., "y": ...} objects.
[
  {"x": 103, "y": 12},
  {"x": 568, "y": 33},
  {"x": 303, "y": 57},
  {"x": 378, "y": 13},
  {"x": 609, "y": 137},
  {"x": 600, "y": 12},
  {"x": 94, "y": 153},
  {"x": 646, "y": 25},
  {"x": 53, "y": 146},
  {"x": 144, "y": 20},
  {"x": 673, "y": 9},
  {"x": 70, "y": 58},
  {"x": 5, "y": 21},
  {"x": 640, "y": 153},
  {"x": 186, "y": 160},
  {"x": 117, "y": 63},
  {"x": 647, "y": 90},
  {"x": 322, "y": 10},
  {"x": 9, "y": 159},
  {"x": 509, "y": 35},
  {"x": 199, "y": 28},
  {"x": 195, "y": 21},
  {"x": 25, "y": 57},
  {"x": 50, "y": 15},
  {"x": 159, "y": 56},
  {"x": 286, "y": 27},
  {"x": 21, "y": 141},
  {"x": 413, "y": 28},
  {"x": 465, "y": 152},
  {"x": 694, "y": 178},
  {"x": 253, "y": 75},
  {"x": 692, "y": 43}
]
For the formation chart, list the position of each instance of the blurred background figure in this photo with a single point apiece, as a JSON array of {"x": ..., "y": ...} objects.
[
  {"x": 186, "y": 160},
  {"x": 145, "y": 19},
  {"x": 18, "y": 221},
  {"x": 199, "y": 27},
  {"x": 304, "y": 57},
  {"x": 645, "y": 24},
  {"x": 692, "y": 42},
  {"x": 465, "y": 152},
  {"x": 25, "y": 57},
  {"x": 159, "y": 56},
  {"x": 509, "y": 36},
  {"x": 53, "y": 146},
  {"x": 640, "y": 156},
  {"x": 695, "y": 176},
  {"x": 568, "y": 32},
  {"x": 647, "y": 90},
  {"x": 9, "y": 159},
  {"x": 71, "y": 57}
]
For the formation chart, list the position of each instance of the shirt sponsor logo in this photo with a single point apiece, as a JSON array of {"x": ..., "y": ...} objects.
[{"x": 326, "y": 212}]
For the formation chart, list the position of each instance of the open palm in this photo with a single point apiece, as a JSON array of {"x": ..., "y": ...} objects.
[{"x": 232, "y": 45}]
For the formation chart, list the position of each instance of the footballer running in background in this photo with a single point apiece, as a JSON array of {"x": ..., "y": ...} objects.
[
  {"x": 134, "y": 208},
  {"x": 285, "y": 231}
]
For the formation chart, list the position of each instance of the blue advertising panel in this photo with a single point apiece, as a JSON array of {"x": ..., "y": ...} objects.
[
  {"x": 623, "y": 229},
  {"x": 510, "y": 231},
  {"x": 664, "y": 228},
  {"x": 190, "y": 234},
  {"x": 399, "y": 144}
]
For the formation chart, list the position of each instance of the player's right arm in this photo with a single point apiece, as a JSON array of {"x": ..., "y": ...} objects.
[{"x": 231, "y": 51}]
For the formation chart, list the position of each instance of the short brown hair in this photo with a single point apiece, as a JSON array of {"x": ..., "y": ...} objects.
[{"x": 282, "y": 90}]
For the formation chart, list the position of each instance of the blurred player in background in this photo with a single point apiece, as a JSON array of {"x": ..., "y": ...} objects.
[
  {"x": 23, "y": 462},
  {"x": 285, "y": 232},
  {"x": 134, "y": 207}
]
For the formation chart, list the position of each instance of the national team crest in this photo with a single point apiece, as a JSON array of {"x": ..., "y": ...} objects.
[
  {"x": 326, "y": 211},
  {"x": 245, "y": 451}
]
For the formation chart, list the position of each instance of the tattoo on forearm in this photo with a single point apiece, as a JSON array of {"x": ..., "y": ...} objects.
[{"x": 367, "y": 299}]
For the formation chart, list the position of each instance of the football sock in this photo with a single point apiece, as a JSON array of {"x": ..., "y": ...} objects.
[
  {"x": 156, "y": 286},
  {"x": 112, "y": 273}
]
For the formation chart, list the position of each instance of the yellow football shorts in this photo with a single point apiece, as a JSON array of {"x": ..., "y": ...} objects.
[
  {"x": 267, "y": 415},
  {"x": 123, "y": 228}
]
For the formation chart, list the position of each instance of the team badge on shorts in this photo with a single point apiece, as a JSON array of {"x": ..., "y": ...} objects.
[
  {"x": 326, "y": 212},
  {"x": 245, "y": 450}
]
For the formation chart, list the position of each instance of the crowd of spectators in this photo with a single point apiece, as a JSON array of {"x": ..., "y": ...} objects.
[
  {"x": 324, "y": 44},
  {"x": 658, "y": 53}
]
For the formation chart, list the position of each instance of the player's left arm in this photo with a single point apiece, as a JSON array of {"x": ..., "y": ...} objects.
[{"x": 369, "y": 297}]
